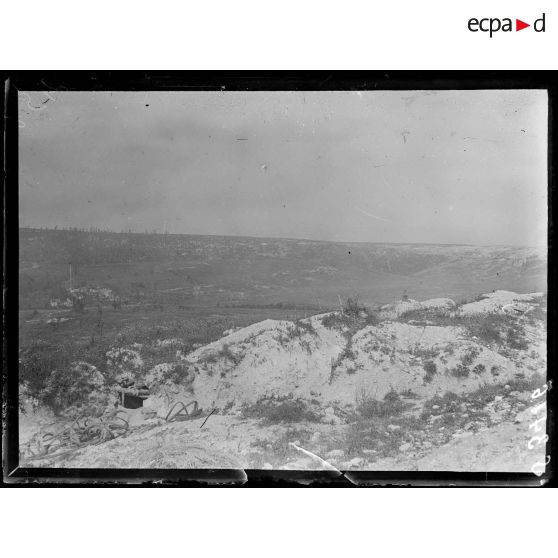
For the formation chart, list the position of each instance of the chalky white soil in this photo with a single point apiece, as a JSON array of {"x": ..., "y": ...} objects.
[{"x": 267, "y": 359}]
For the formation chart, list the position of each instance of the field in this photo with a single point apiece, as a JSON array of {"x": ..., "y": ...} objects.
[{"x": 204, "y": 271}]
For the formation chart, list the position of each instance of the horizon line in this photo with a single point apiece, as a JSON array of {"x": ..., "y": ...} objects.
[{"x": 158, "y": 233}]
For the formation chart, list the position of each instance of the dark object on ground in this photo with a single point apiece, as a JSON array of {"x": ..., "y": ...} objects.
[{"x": 133, "y": 397}]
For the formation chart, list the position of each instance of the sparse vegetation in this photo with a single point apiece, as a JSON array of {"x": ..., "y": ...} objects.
[
  {"x": 279, "y": 450},
  {"x": 489, "y": 328},
  {"x": 298, "y": 331},
  {"x": 430, "y": 369},
  {"x": 424, "y": 315},
  {"x": 353, "y": 317},
  {"x": 227, "y": 354},
  {"x": 75, "y": 390},
  {"x": 440, "y": 405},
  {"x": 534, "y": 381},
  {"x": 515, "y": 338},
  {"x": 276, "y": 410},
  {"x": 423, "y": 352},
  {"x": 460, "y": 371},
  {"x": 367, "y": 407},
  {"x": 38, "y": 361},
  {"x": 177, "y": 373},
  {"x": 469, "y": 356},
  {"x": 479, "y": 369}
]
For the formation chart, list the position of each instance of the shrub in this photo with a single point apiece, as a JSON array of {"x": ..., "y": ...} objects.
[
  {"x": 430, "y": 369},
  {"x": 124, "y": 361},
  {"x": 354, "y": 316},
  {"x": 371, "y": 319},
  {"x": 368, "y": 407},
  {"x": 169, "y": 373},
  {"x": 346, "y": 353},
  {"x": 515, "y": 338},
  {"x": 352, "y": 307},
  {"x": 363, "y": 435},
  {"x": 479, "y": 369},
  {"x": 538, "y": 313},
  {"x": 421, "y": 315},
  {"x": 37, "y": 363},
  {"x": 301, "y": 327},
  {"x": 280, "y": 410},
  {"x": 444, "y": 404},
  {"x": 224, "y": 353},
  {"x": 336, "y": 320},
  {"x": 298, "y": 331},
  {"x": 487, "y": 328},
  {"x": 468, "y": 358},
  {"x": 208, "y": 357},
  {"x": 78, "y": 385},
  {"x": 410, "y": 394},
  {"x": 534, "y": 381},
  {"x": 460, "y": 371},
  {"x": 423, "y": 352},
  {"x": 227, "y": 354}
]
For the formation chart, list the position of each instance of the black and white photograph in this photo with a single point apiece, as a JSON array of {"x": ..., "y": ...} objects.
[{"x": 297, "y": 280}]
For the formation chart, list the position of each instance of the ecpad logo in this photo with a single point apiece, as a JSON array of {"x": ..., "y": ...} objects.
[{"x": 493, "y": 25}]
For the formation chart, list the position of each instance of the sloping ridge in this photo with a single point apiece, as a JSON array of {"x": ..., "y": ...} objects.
[{"x": 335, "y": 365}]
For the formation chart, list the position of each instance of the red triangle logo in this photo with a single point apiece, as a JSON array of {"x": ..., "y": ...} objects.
[{"x": 519, "y": 25}]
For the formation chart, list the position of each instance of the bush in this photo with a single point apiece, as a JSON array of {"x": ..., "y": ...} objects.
[
  {"x": 280, "y": 410},
  {"x": 79, "y": 385},
  {"x": 176, "y": 373},
  {"x": 430, "y": 369},
  {"x": 487, "y": 328},
  {"x": 447, "y": 403},
  {"x": 354, "y": 316},
  {"x": 479, "y": 369},
  {"x": 298, "y": 331},
  {"x": 468, "y": 358},
  {"x": 347, "y": 352},
  {"x": 422, "y": 315},
  {"x": 460, "y": 371},
  {"x": 352, "y": 307},
  {"x": 515, "y": 338},
  {"x": 38, "y": 362},
  {"x": 227, "y": 354},
  {"x": 224, "y": 353},
  {"x": 536, "y": 380},
  {"x": 363, "y": 435},
  {"x": 301, "y": 328},
  {"x": 423, "y": 352},
  {"x": 336, "y": 320},
  {"x": 367, "y": 407}
]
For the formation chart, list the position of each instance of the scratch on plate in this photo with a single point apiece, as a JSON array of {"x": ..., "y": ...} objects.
[{"x": 374, "y": 216}]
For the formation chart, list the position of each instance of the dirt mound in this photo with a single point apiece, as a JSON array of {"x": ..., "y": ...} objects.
[
  {"x": 330, "y": 363},
  {"x": 506, "y": 302},
  {"x": 351, "y": 390},
  {"x": 394, "y": 311}
]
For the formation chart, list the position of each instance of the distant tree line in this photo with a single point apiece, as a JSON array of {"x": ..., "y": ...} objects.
[{"x": 92, "y": 230}]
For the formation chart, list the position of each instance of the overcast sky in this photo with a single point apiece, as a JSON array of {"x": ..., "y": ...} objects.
[{"x": 465, "y": 167}]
